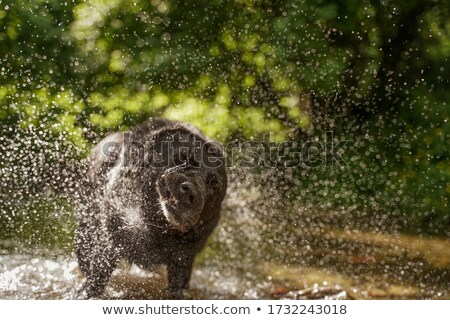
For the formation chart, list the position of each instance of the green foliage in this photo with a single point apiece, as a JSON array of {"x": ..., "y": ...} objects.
[
  {"x": 239, "y": 69},
  {"x": 39, "y": 223}
]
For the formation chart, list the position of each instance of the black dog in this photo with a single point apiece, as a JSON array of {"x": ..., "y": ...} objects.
[{"x": 152, "y": 196}]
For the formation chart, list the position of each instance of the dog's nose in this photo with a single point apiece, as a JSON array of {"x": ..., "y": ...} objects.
[{"x": 187, "y": 192}]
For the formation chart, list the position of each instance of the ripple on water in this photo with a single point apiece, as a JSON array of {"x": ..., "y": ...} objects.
[{"x": 24, "y": 276}]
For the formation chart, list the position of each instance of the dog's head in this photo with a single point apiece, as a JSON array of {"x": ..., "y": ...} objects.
[{"x": 191, "y": 178}]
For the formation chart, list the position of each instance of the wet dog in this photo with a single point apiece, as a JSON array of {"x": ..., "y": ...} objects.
[{"x": 151, "y": 196}]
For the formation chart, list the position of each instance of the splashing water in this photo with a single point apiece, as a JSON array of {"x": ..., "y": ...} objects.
[
  {"x": 374, "y": 74},
  {"x": 251, "y": 256}
]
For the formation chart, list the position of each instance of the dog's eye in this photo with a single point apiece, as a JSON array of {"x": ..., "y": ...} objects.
[
  {"x": 193, "y": 161},
  {"x": 183, "y": 155},
  {"x": 212, "y": 181}
]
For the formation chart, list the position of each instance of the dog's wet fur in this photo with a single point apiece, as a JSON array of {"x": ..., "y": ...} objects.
[{"x": 151, "y": 196}]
